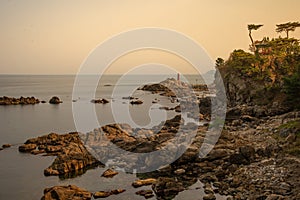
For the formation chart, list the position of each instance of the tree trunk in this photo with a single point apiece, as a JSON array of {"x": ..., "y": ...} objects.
[
  {"x": 254, "y": 48},
  {"x": 287, "y": 33}
]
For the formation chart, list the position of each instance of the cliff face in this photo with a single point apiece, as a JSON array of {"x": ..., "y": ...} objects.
[
  {"x": 247, "y": 90},
  {"x": 261, "y": 79},
  {"x": 239, "y": 90}
]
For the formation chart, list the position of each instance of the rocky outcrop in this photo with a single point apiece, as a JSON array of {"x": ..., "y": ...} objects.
[
  {"x": 131, "y": 140},
  {"x": 71, "y": 155},
  {"x": 66, "y": 192},
  {"x": 18, "y": 101},
  {"x": 169, "y": 87},
  {"x": 246, "y": 87},
  {"x": 158, "y": 88},
  {"x": 27, "y": 148},
  {"x": 75, "y": 193},
  {"x": 247, "y": 162},
  {"x": 55, "y": 100}
]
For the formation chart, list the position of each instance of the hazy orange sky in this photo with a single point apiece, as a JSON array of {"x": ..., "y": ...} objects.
[{"x": 54, "y": 37}]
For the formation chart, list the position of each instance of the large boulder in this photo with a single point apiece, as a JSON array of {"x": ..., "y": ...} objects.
[{"x": 55, "y": 100}]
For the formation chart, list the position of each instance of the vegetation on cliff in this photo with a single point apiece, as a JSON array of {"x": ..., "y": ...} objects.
[{"x": 268, "y": 74}]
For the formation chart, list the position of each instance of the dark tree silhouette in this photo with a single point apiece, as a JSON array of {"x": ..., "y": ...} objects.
[
  {"x": 252, "y": 27},
  {"x": 287, "y": 27}
]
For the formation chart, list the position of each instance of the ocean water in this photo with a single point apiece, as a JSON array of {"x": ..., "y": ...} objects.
[{"x": 21, "y": 175}]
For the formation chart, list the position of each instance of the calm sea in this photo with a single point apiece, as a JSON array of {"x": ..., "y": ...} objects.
[{"x": 21, "y": 175}]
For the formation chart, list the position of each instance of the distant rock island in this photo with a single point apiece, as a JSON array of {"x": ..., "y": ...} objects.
[{"x": 18, "y": 101}]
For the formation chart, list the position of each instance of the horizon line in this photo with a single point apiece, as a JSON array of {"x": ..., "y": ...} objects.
[{"x": 69, "y": 74}]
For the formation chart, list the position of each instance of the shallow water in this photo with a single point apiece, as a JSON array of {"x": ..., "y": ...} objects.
[{"x": 21, "y": 175}]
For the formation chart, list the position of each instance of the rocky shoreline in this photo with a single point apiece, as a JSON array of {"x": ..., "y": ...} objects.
[
  {"x": 257, "y": 155},
  {"x": 248, "y": 161}
]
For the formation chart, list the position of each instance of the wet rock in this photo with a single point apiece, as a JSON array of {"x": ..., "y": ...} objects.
[
  {"x": 100, "y": 101},
  {"x": 109, "y": 173},
  {"x": 101, "y": 194},
  {"x": 136, "y": 102},
  {"x": 209, "y": 197},
  {"x": 117, "y": 191},
  {"x": 71, "y": 155},
  {"x": 104, "y": 194},
  {"x": 55, "y": 100},
  {"x": 140, "y": 183},
  {"x": 145, "y": 193},
  {"x": 43, "y": 101},
  {"x": 18, "y": 101},
  {"x": 66, "y": 192},
  {"x": 38, "y": 151},
  {"x": 4, "y": 146},
  {"x": 167, "y": 188},
  {"x": 27, "y": 147}
]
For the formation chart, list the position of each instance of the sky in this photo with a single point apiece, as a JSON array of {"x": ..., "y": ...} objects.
[{"x": 57, "y": 36}]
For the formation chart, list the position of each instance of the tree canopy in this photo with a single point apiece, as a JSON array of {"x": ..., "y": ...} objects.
[
  {"x": 254, "y": 26},
  {"x": 287, "y": 27}
]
